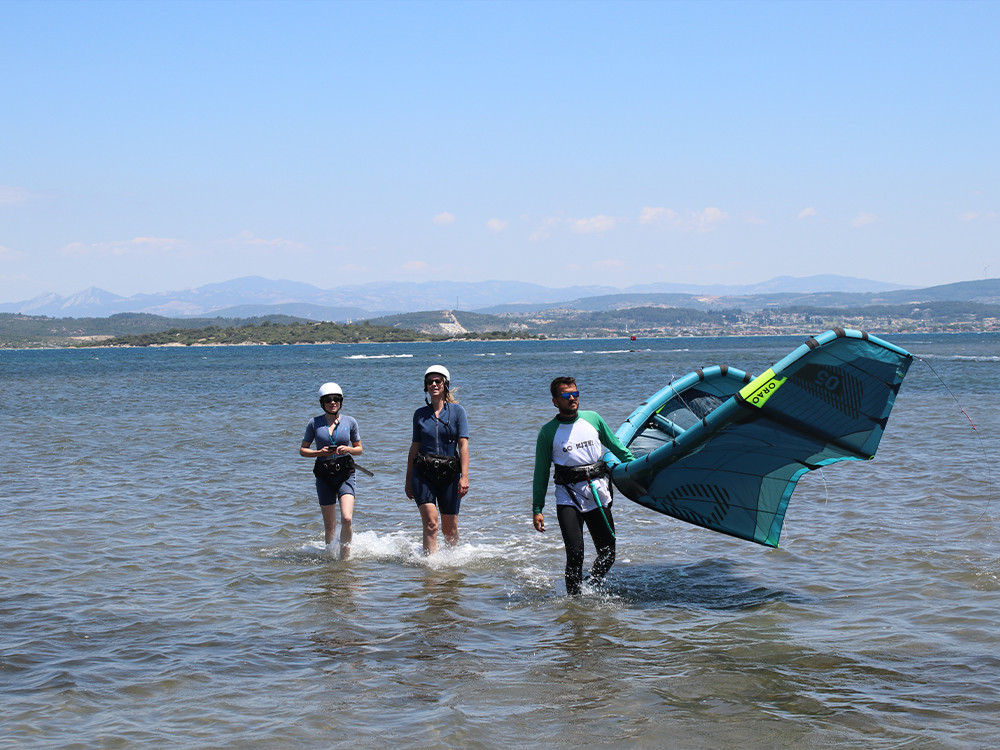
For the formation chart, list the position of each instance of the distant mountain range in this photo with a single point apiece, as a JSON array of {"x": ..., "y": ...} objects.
[
  {"x": 971, "y": 306},
  {"x": 255, "y": 296}
]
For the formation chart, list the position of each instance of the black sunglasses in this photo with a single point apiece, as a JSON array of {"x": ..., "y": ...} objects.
[{"x": 328, "y": 399}]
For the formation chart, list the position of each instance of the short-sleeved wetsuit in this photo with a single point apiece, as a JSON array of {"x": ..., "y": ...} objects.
[
  {"x": 438, "y": 436},
  {"x": 345, "y": 432}
]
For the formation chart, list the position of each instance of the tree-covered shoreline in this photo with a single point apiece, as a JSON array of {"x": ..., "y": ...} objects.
[{"x": 142, "y": 329}]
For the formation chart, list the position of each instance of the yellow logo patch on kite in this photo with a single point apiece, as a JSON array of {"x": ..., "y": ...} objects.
[{"x": 761, "y": 389}]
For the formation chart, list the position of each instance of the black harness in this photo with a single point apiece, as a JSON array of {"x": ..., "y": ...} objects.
[
  {"x": 334, "y": 471},
  {"x": 572, "y": 474},
  {"x": 437, "y": 468}
]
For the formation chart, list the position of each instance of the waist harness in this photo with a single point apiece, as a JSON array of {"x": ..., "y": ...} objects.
[
  {"x": 573, "y": 474},
  {"x": 334, "y": 470},
  {"x": 437, "y": 468}
]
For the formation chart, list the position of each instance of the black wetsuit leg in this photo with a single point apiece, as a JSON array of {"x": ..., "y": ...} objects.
[
  {"x": 571, "y": 523},
  {"x": 571, "y": 526},
  {"x": 604, "y": 541}
]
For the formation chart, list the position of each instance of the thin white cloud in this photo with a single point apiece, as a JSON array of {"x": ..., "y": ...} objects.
[
  {"x": 7, "y": 253},
  {"x": 545, "y": 230},
  {"x": 416, "y": 266},
  {"x": 710, "y": 218},
  {"x": 138, "y": 246},
  {"x": 10, "y": 196},
  {"x": 444, "y": 218},
  {"x": 693, "y": 221},
  {"x": 599, "y": 223},
  {"x": 497, "y": 225},
  {"x": 806, "y": 213},
  {"x": 247, "y": 240},
  {"x": 656, "y": 214},
  {"x": 863, "y": 219},
  {"x": 156, "y": 243},
  {"x": 976, "y": 216}
]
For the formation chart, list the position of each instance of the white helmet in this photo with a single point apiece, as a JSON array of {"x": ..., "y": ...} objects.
[
  {"x": 330, "y": 389},
  {"x": 439, "y": 370}
]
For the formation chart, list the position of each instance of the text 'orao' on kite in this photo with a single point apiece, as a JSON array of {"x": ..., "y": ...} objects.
[{"x": 722, "y": 450}]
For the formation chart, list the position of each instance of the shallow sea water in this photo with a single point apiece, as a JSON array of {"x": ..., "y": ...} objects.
[{"x": 163, "y": 580}]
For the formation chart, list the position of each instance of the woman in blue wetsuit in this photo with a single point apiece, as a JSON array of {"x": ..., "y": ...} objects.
[
  {"x": 337, "y": 441},
  {"x": 437, "y": 467}
]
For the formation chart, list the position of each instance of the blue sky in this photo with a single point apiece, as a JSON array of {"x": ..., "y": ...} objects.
[{"x": 149, "y": 146}]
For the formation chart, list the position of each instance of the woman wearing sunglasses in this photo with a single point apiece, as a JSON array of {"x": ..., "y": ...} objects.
[
  {"x": 337, "y": 441},
  {"x": 437, "y": 467}
]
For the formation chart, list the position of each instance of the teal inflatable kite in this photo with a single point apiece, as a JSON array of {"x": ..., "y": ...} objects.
[{"x": 722, "y": 450}]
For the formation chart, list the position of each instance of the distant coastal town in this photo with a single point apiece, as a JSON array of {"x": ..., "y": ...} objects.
[{"x": 139, "y": 329}]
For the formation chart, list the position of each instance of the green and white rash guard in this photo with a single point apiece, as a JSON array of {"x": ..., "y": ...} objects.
[{"x": 576, "y": 443}]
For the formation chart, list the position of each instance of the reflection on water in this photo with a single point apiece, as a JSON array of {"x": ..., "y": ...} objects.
[{"x": 706, "y": 584}]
